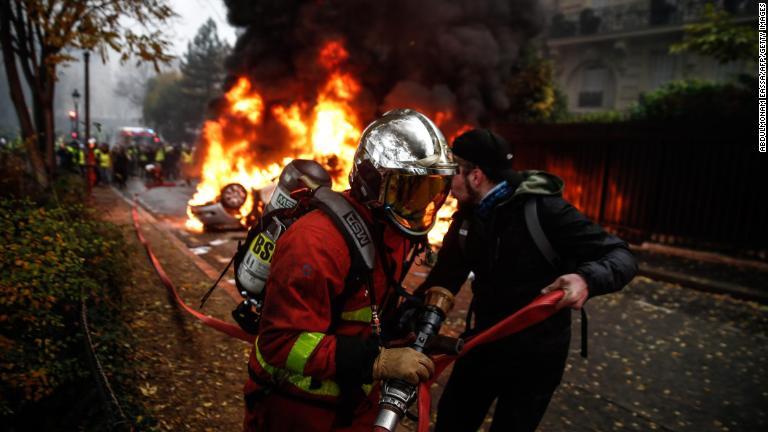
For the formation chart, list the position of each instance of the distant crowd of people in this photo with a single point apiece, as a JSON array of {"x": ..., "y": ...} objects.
[{"x": 163, "y": 162}]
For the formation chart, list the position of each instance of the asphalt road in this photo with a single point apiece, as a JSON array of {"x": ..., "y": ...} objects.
[{"x": 662, "y": 356}]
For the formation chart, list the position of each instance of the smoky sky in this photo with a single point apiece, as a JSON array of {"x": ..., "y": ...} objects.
[{"x": 426, "y": 54}]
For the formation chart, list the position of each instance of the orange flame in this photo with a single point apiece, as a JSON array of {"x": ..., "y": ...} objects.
[
  {"x": 444, "y": 218},
  {"x": 327, "y": 132},
  {"x": 445, "y": 121},
  {"x": 333, "y": 54},
  {"x": 244, "y": 102}
]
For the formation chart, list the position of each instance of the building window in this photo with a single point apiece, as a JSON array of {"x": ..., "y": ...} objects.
[{"x": 593, "y": 87}]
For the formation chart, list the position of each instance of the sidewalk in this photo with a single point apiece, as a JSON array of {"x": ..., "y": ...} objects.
[{"x": 191, "y": 376}]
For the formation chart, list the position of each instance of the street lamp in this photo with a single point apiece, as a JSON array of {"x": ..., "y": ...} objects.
[{"x": 75, "y": 98}]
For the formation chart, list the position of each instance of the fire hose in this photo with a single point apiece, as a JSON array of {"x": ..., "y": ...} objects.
[
  {"x": 219, "y": 325},
  {"x": 538, "y": 310},
  {"x": 396, "y": 394}
]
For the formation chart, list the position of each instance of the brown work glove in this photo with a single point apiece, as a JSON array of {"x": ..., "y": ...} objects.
[{"x": 406, "y": 364}]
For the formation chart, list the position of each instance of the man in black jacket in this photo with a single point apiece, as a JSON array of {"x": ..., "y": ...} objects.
[{"x": 514, "y": 259}]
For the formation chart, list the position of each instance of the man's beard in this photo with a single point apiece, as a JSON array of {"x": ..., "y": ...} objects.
[{"x": 473, "y": 196}]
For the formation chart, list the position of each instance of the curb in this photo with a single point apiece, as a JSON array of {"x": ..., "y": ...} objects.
[
  {"x": 703, "y": 284},
  {"x": 711, "y": 257}
]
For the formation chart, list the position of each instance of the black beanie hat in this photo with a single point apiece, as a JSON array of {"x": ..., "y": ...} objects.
[{"x": 489, "y": 151}]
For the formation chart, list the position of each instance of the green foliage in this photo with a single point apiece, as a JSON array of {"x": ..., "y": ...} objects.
[
  {"x": 719, "y": 37},
  {"x": 695, "y": 100},
  {"x": 50, "y": 259},
  {"x": 176, "y": 104},
  {"x": 93, "y": 25},
  {"x": 532, "y": 91},
  {"x": 15, "y": 181}
]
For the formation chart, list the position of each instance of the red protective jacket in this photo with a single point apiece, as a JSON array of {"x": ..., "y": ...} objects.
[{"x": 298, "y": 368}]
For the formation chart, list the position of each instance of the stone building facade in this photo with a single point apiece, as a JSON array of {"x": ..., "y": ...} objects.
[{"x": 607, "y": 52}]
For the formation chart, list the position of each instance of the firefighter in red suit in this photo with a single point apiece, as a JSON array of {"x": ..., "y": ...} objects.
[{"x": 318, "y": 358}]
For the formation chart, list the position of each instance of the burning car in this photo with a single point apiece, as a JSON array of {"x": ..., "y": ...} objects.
[{"x": 234, "y": 208}]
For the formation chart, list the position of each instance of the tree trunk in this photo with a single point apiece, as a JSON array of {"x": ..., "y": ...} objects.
[
  {"x": 44, "y": 117},
  {"x": 50, "y": 130},
  {"x": 20, "y": 104}
]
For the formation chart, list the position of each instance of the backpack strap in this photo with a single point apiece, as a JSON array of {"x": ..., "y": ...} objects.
[
  {"x": 537, "y": 234},
  {"x": 552, "y": 257},
  {"x": 361, "y": 245}
]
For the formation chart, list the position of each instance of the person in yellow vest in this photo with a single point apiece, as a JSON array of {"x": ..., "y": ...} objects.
[
  {"x": 81, "y": 160},
  {"x": 104, "y": 163},
  {"x": 74, "y": 156},
  {"x": 160, "y": 154},
  {"x": 187, "y": 160},
  {"x": 96, "y": 159}
]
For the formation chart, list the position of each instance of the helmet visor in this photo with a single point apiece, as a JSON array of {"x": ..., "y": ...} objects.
[{"x": 412, "y": 201}]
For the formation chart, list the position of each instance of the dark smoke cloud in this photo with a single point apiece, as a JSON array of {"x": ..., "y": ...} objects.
[{"x": 428, "y": 54}]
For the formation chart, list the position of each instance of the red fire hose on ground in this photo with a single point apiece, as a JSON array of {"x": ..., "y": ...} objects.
[
  {"x": 219, "y": 325},
  {"x": 540, "y": 309}
]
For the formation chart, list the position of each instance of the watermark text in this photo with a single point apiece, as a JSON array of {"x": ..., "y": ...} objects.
[{"x": 762, "y": 37}]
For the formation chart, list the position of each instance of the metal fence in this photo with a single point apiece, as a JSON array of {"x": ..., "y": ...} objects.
[{"x": 697, "y": 185}]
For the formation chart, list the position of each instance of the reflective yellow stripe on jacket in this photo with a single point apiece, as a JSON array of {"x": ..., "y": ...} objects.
[
  {"x": 360, "y": 315},
  {"x": 297, "y": 359},
  {"x": 302, "y": 349}
]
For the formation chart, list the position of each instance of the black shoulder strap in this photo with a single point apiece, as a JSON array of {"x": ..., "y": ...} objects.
[
  {"x": 537, "y": 233},
  {"x": 360, "y": 242},
  {"x": 546, "y": 249}
]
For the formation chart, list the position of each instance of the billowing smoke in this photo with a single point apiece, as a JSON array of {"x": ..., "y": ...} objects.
[{"x": 437, "y": 56}]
